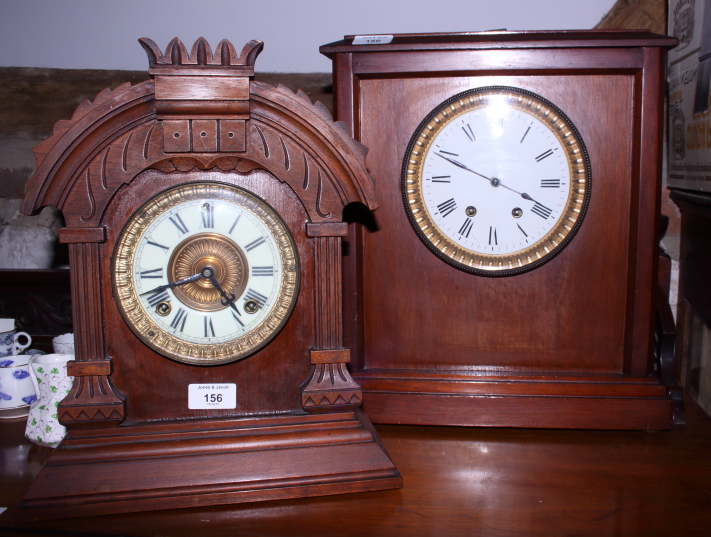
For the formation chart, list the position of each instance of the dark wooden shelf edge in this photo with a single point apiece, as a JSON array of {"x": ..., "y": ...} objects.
[
  {"x": 695, "y": 198},
  {"x": 34, "y": 276}
]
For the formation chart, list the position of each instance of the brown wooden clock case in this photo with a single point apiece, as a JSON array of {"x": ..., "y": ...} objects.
[
  {"x": 568, "y": 343},
  {"x": 297, "y": 429}
]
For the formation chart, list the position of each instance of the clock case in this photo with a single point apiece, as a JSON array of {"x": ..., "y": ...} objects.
[
  {"x": 570, "y": 344},
  {"x": 133, "y": 444}
]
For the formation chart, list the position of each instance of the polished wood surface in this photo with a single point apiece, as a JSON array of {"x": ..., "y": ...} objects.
[
  {"x": 569, "y": 344},
  {"x": 458, "y": 481},
  {"x": 297, "y": 429}
]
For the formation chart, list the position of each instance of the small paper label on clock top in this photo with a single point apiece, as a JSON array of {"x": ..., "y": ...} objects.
[
  {"x": 372, "y": 39},
  {"x": 212, "y": 395}
]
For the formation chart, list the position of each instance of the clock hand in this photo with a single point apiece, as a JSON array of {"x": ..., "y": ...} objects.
[
  {"x": 522, "y": 194},
  {"x": 227, "y": 298},
  {"x": 193, "y": 278},
  {"x": 462, "y": 166},
  {"x": 493, "y": 180}
]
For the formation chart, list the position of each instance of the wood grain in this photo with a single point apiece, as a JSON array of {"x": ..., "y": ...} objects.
[
  {"x": 330, "y": 356},
  {"x": 83, "y": 369},
  {"x": 202, "y": 88}
]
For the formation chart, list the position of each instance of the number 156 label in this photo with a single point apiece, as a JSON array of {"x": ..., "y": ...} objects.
[{"x": 203, "y": 396}]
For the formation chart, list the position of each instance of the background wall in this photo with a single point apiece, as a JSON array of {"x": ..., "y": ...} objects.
[{"x": 90, "y": 34}]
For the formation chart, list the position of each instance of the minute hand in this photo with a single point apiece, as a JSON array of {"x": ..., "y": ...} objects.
[
  {"x": 493, "y": 180},
  {"x": 193, "y": 278},
  {"x": 462, "y": 166}
]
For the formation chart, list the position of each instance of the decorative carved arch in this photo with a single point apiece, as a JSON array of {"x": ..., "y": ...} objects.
[{"x": 123, "y": 132}]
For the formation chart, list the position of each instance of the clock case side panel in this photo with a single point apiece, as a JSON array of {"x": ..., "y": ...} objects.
[
  {"x": 641, "y": 401},
  {"x": 163, "y": 462}
]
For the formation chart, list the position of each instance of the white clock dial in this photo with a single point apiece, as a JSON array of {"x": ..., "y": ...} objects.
[
  {"x": 206, "y": 273},
  {"x": 496, "y": 180}
]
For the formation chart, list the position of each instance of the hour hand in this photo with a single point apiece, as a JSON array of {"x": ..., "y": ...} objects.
[
  {"x": 227, "y": 298},
  {"x": 193, "y": 278}
]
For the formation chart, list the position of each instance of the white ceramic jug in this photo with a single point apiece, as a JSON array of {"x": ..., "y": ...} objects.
[{"x": 52, "y": 385}]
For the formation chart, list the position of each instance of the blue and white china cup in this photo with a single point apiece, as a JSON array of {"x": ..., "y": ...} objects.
[
  {"x": 9, "y": 339},
  {"x": 17, "y": 391}
]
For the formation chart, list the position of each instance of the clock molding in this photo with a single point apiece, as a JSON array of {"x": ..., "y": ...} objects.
[{"x": 202, "y": 119}]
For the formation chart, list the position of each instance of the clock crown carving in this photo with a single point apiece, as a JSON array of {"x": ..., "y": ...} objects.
[
  {"x": 203, "y": 213},
  {"x": 225, "y": 54}
]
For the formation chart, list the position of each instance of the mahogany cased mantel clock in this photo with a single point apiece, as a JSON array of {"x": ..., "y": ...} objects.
[
  {"x": 204, "y": 219},
  {"x": 509, "y": 276}
]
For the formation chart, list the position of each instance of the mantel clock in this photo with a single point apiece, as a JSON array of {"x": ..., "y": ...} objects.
[
  {"x": 509, "y": 276},
  {"x": 204, "y": 220}
]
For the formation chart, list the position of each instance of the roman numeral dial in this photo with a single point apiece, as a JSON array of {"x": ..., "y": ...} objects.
[
  {"x": 496, "y": 180},
  {"x": 206, "y": 273}
]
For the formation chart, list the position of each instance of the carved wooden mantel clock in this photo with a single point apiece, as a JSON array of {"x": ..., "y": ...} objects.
[
  {"x": 204, "y": 219},
  {"x": 509, "y": 276}
]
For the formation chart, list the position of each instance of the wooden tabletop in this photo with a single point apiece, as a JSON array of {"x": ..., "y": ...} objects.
[{"x": 458, "y": 481}]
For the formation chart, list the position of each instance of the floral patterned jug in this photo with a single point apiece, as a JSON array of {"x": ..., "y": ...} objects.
[{"x": 52, "y": 385}]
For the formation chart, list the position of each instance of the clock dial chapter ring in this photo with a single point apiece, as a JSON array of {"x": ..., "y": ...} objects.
[
  {"x": 226, "y": 259},
  {"x": 460, "y": 162},
  {"x": 193, "y": 322}
]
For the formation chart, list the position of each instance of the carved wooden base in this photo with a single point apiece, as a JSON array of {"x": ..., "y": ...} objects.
[
  {"x": 91, "y": 415},
  {"x": 92, "y": 401},
  {"x": 582, "y": 402},
  {"x": 157, "y": 466},
  {"x": 331, "y": 388}
]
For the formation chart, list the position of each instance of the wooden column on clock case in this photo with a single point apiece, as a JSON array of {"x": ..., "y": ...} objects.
[
  {"x": 330, "y": 386},
  {"x": 92, "y": 400}
]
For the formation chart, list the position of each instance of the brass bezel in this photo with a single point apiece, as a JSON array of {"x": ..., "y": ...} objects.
[
  {"x": 163, "y": 342},
  {"x": 496, "y": 264}
]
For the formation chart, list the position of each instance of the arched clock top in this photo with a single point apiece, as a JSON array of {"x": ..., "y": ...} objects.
[
  {"x": 296, "y": 116},
  {"x": 61, "y": 158},
  {"x": 202, "y": 110}
]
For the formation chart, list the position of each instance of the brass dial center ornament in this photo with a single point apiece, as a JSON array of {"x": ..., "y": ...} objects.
[
  {"x": 496, "y": 181},
  {"x": 205, "y": 273},
  {"x": 227, "y": 260}
]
